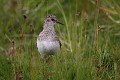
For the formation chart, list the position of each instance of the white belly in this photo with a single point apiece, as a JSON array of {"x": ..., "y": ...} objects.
[{"x": 48, "y": 48}]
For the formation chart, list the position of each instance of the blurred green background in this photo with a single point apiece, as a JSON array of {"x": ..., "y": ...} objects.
[{"x": 90, "y": 40}]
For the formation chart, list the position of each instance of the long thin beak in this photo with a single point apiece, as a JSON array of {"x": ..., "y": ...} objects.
[{"x": 59, "y": 22}]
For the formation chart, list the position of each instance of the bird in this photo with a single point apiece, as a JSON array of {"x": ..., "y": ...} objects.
[{"x": 48, "y": 42}]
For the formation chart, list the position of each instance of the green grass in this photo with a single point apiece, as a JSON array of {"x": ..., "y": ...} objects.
[{"x": 90, "y": 40}]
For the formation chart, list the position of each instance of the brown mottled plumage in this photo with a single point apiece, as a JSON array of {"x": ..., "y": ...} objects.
[{"x": 48, "y": 42}]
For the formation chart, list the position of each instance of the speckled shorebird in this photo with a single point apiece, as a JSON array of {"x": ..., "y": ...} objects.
[{"x": 48, "y": 42}]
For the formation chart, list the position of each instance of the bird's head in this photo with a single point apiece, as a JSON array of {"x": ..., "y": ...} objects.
[{"x": 51, "y": 20}]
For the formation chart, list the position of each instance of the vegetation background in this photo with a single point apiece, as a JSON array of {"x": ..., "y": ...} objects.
[{"x": 90, "y": 40}]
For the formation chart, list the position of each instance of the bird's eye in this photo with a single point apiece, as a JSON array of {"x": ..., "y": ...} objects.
[{"x": 53, "y": 19}]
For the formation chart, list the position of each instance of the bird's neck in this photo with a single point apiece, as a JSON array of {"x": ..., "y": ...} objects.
[{"x": 49, "y": 27}]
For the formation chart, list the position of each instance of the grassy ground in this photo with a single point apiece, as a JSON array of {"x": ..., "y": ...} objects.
[{"x": 90, "y": 40}]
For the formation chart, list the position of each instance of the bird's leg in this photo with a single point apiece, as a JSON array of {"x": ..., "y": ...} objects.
[{"x": 45, "y": 71}]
